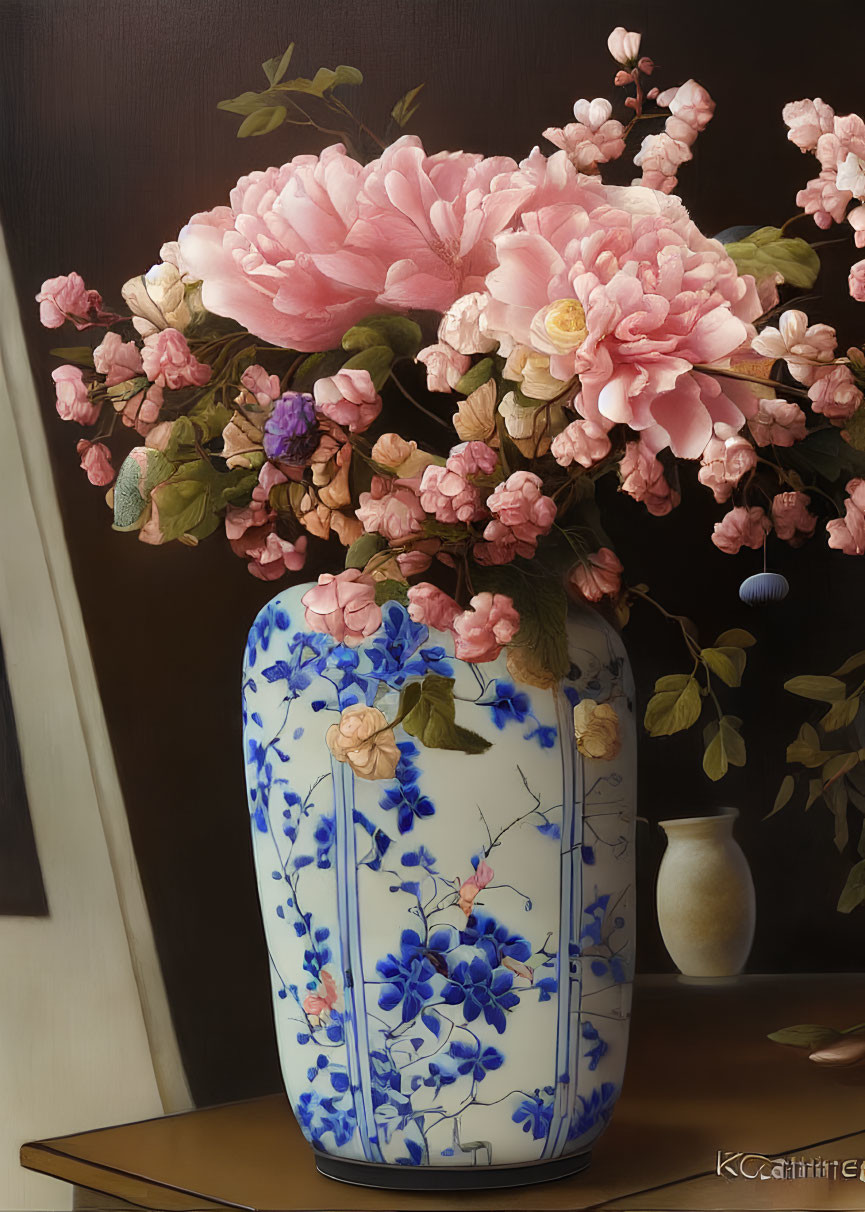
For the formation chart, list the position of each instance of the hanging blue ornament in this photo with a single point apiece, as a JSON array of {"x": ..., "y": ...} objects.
[{"x": 764, "y": 587}]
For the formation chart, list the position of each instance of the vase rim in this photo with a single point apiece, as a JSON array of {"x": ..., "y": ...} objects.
[{"x": 722, "y": 814}]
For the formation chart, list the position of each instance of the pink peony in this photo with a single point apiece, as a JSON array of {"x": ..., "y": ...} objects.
[
  {"x": 343, "y": 606},
  {"x": 600, "y": 577},
  {"x": 643, "y": 479},
  {"x": 470, "y": 888},
  {"x": 391, "y": 508},
  {"x": 595, "y": 138},
  {"x": 117, "y": 359},
  {"x": 168, "y": 361},
  {"x": 431, "y": 605},
  {"x": 67, "y": 298},
  {"x": 96, "y": 461},
  {"x": 856, "y": 281},
  {"x": 804, "y": 348},
  {"x": 73, "y": 400},
  {"x": 791, "y": 518},
  {"x": 834, "y": 393},
  {"x": 847, "y": 534},
  {"x": 728, "y": 455},
  {"x": 521, "y": 513},
  {"x": 741, "y": 527},
  {"x": 349, "y": 398},
  {"x": 582, "y": 442},
  {"x": 482, "y": 631},
  {"x": 777, "y": 423},
  {"x": 622, "y": 289},
  {"x": 807, "y": 120},
  {"x": 448, "y": 493},
  {"x": 444, "y": 366},
  {"x": 624, "y": 45}
]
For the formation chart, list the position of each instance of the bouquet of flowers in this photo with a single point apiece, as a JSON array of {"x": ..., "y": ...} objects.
[{"x": 434, "y": 359}]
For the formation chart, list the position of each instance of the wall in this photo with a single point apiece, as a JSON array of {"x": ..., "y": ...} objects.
[{"x": 111, "y": 140}]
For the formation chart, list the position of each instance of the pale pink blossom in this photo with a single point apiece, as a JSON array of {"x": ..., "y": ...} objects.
[
  {"x": 141, "y": 411},
  {"x": 624, "y": 45},
  {"x": 622, "y": 289},
  {"x": 169, "y": 362},
  {"x": 804, "y": 348},
  {"x": 791, "y": 517},
  {"x": 391, "y": 508},
  {"x": 856, "y": 281},
  {"x": 847, "y": 534},
  {"x": 274, "y": 556},
  {"x": 117, "y": 359},
  {"x": 850, "y": 175},
  {"x": 691, "y": 110},
  {"x": 264, "y": 388},
  {"x": 431, "y": 605},
  {"x": 807, "y": 120},
  {"x": 96, "y": 461},
  {"x": 599, "y": 577},
  {"x": 470, "y": 888},
  {"x": 343, "y": 606},
  {"x": 522, "y": 513},
  {"x": 349, "y": 398},
  {"x": 834, "y": 393},
  {"x": 444, "y": 366},
  {"x": 856, "y": 219},
  {"x": 777, "y": 423},
  {"x": 418, "y": 559},
  {"x": 73, "y": 399},
  {"x": 660, "y": 157},
  {"x": 583, "y": 442},
  {"x": 741, "y": 527},
  {"x": 67, "y": 298},
  {"x": 727, "y": 457},
  {"x": 822, "y": 198},
  {"x": 481, "y": 632},
  {"x": 448, "y": 492},
  {"x": 461, "y": 327},
  {"x": 595, "y": 138},
  {"x": 643, "y": 479}
]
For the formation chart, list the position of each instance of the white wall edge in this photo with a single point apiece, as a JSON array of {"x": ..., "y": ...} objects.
[{"x": 18, "y": 381}]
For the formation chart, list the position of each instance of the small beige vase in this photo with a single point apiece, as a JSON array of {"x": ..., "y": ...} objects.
[{"x": 705, "y": 896}]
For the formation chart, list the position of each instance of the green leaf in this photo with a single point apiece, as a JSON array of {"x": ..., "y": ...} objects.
[
  {"x": 806, "y": 1035},
  {"x": 391, "y": 591},
  {"x": 542, "y": 605},
  {"x": 432, "y": 718},
  {"x": 815, "y": 790},
  {"x": 841, "y": 714},
  {"x": 823, "y": 689},
  {"x": 736, "y": 637},
  {"x": 233, "y": 488},
  {"x": 853, "y": 893},
  {"x": 854, "y": 429},
  {"x": 728, "y": 663},
  {"x": 785, "y": 791},
  {"x": 377, "y": 359},
  {"x": 850, "y": 665},
  {"x": 276, "y": 68},
  {"x": 767, "y": 252},
  {"x": 405, "y": 108},
  {"x": 476, "y": 376},
  {"x": 671, "y": 711},
  {"x": 362, "y": 550},
  {"x": 80, "y": 355},
  {"x": 725, "y": 746},
  {"x": 806, "y": 748},
  {"x": 398, "y": 333},
  {"x": 245, "y": 103},
  {"x": 673, "y": 681},
  {"x": 182, "y": 506},
  {"x": 262, "y": 121},
  {"x": 325, "y": 79}
]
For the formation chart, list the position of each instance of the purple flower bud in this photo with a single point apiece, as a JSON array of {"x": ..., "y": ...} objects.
[{"x": 291, "y": 431}]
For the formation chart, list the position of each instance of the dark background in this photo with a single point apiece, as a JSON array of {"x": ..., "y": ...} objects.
[{"x": 110, "y": 139}]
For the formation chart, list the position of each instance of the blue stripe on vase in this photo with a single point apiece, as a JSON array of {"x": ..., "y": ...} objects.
[
  {"x": 357, "y": 1040},
  {"x": 571, "y": 896}
]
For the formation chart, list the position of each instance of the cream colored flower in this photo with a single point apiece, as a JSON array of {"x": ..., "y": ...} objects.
[
  {"x": 596, "y": 728},
  {"x": 475, "y": 420},
  {"x": 157, "y": 300},
  {"x": 363, "y": 739},
  {"x": 529, "y": 427},
  {"x": 532, "y": 371},
  {"x": 563, "y": 324},
  {"x": 240, "y": 439}
]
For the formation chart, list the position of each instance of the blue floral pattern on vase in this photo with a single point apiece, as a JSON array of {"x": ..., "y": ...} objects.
[{"x": 451, "y": 948}]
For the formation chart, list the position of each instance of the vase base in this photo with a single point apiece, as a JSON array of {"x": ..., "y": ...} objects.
[{"x": 448, "y": 1178}]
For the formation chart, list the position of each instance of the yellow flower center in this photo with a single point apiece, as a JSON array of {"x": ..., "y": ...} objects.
[{"x": 565, "y": 324}]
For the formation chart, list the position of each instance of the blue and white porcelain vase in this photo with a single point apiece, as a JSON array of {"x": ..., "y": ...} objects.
[{"x": 451, "y": 946}]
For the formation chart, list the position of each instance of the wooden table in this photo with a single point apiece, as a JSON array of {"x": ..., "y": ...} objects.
[{"x": 701, "y": 1077}]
